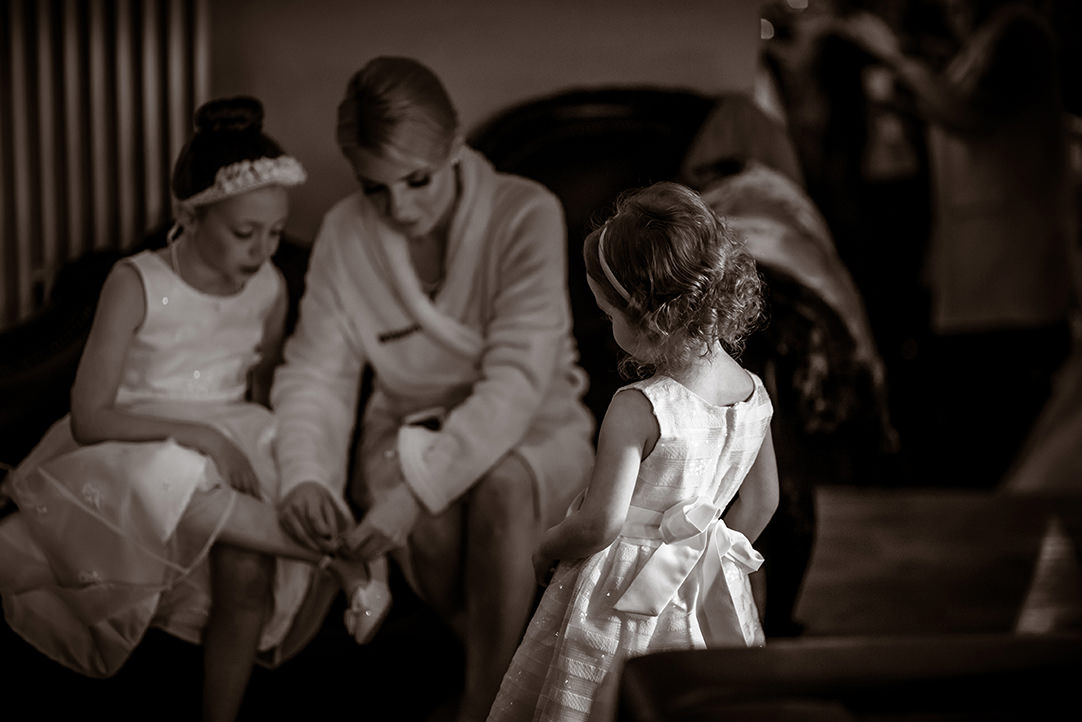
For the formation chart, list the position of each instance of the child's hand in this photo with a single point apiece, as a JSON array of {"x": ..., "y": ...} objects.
[
  {"x": 233, "y": 464},
  {"x": 308, "y": 514}
]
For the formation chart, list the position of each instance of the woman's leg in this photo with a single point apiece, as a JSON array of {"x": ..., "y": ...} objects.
[
  {"x": 242, "y": 583},
  {"x": 477, "y": 554},
  {"x": 502, "y": 528},
  {"x": 435, "y": 564}
]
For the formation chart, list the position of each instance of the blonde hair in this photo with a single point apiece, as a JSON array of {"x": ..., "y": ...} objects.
[{"x": 395, "y": 102}]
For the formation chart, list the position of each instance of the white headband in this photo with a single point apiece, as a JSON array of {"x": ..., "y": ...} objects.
[
  {"x": 247, "y": 175},
  {"x": 608, "y": 271}
]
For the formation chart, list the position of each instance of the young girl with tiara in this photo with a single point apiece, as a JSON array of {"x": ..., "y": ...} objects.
[
  {"x": 153, "y": 502},
  {"x": 656, "y": 554}
]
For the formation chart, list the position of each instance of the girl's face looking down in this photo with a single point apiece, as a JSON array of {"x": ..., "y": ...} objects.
[
  {"x": 416, "y": 195},
  {"x": 232, "y": 238},
  {"x": 627, "y": 337}
]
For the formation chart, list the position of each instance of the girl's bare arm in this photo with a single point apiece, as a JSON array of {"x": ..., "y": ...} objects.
[
  {"x": 94, "y": 414},
  {"x": 628, "y": 433},
  {"x": 758, "y": 497}
]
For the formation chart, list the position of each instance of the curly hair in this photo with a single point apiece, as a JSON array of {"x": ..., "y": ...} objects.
[{"x": 689, "y": 281}]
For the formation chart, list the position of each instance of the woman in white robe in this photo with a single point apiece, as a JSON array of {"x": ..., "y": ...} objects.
[{"x": 449, "y": 280}]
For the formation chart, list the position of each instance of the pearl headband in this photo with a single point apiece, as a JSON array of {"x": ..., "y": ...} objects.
[
  {"x": 247, "y": 175},
  {"x": 605, "y": 267}
]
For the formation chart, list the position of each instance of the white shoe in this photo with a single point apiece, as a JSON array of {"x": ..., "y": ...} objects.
[{"x": 369, "y": 603}]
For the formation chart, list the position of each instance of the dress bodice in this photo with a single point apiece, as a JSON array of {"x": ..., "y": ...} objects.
[
  {"x": 704, "y": 450},
  {"x": 194, "y": 346}
]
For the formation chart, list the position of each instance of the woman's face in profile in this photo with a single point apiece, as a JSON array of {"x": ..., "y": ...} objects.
[{"x": 416, "y": 195}]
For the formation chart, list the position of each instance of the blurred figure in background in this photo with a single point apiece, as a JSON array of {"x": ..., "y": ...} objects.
[
  {"x": 1002, "y": 223},
  {"x": 865, "y": 168}
]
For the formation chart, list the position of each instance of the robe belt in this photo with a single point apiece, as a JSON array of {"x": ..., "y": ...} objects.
[{"x": 690, "y": 530}]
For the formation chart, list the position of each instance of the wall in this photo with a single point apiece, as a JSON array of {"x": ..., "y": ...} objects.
[{"x": 297, "y": 57}]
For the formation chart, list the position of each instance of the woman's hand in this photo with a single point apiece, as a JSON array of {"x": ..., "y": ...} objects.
[
  {"x": 233, "y": 464},
  {"x": 385, "y": 527},
  {"x": 309, "y": 515}
]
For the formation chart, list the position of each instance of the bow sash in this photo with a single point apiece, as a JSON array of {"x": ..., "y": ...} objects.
[{"x": 690, "y": 530}]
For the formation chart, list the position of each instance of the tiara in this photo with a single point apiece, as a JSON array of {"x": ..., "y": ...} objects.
[{"x": 247, "y": 175}]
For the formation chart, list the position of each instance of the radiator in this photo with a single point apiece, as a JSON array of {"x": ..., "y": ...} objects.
[{"x": 96, "y": 99}]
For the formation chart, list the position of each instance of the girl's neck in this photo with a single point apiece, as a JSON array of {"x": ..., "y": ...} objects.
[
  {"x": 186, "y": 263},
  {"x": 716, "y": 377},
  {"x": 695, "y": 367}
]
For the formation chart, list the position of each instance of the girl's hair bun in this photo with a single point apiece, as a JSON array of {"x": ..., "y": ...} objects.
[{"x": 239, "y": 114}]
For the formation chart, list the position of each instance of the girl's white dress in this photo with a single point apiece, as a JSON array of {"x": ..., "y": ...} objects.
[
  {"x": 675, "y": 578},
  {"x": 112, "y": 538}
]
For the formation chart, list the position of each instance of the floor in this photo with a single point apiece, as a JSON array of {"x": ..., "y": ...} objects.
[
  {"x": 410, "y": 669},
  {"x": 920, "y": 605},
  {"x": 885, "y": 562},
  {"x": 934, "y": 561}
]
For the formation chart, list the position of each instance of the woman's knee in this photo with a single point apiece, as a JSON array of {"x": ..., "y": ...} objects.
[
  {"x": 505, "y": 498},
  {"x": 240, "y": 578}
]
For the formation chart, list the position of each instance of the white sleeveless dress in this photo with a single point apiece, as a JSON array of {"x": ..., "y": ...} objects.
[
  {"x": 675, "y": 578},
  {"x": 99, "y": 550}
]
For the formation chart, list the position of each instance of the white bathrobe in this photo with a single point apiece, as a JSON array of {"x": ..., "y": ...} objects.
[{"x": 493, "y": 350}]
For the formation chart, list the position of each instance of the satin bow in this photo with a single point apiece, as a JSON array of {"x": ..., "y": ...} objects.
[{"x": 691, "y": 530}]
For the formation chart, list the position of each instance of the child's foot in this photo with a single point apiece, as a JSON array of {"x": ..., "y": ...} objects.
[{"x": 368, "y": 594}]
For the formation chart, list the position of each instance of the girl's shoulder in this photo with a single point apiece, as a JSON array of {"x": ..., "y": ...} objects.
[
  {"x": 647, "y": 383},
  {"x": 650, "y": 396},
  {"x": 149, "y": 266},
  {"x": 645, "y": 394},
  {"x": 134, "y": 274},
  {"x": 674, "y": 405},
  {"x": 634, "y": 413},
  {"x": 135, "y": 261}
]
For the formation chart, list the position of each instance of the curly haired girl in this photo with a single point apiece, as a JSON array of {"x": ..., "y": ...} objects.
[{"x": 657, "y": 553}]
